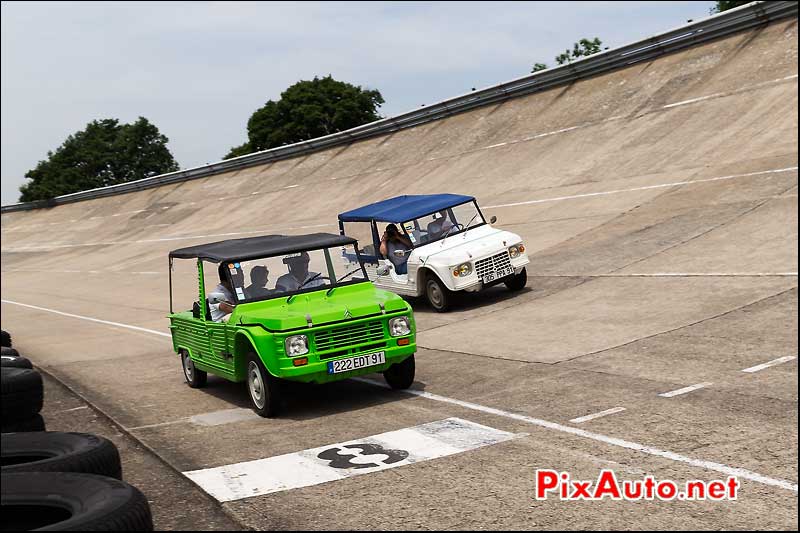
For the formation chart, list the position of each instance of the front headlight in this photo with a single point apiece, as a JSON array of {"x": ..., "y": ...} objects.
[
  {"x": 516, "y": 250},
  {"x": 464, "y": 269},
  {"x": 399, "y": 326},
  {"x": 296, "y": 345}
]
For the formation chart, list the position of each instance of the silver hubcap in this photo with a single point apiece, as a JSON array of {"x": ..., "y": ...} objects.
[
  {"x": 256, "y": 384},
  {"x": 188, "y": 367},
  {"x": 434, "y": 294}
]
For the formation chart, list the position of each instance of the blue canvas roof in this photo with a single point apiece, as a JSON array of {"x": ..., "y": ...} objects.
[{"x": 403, "y": 208}]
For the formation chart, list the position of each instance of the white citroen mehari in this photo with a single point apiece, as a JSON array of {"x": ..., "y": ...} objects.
[{"x": 443, "y": 245}]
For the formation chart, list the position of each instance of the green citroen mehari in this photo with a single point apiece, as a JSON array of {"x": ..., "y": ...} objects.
[{"x": 297, "y": 308}]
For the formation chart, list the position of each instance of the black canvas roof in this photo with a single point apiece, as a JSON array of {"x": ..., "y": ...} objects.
[{"x": 257, "y": 247}]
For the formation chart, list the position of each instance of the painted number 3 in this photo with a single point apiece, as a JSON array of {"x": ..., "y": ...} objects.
[{"x": 342, "y": 457}]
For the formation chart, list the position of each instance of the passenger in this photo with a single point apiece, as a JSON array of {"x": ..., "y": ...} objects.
[
  {"x": 439, "y": 226},
  {"x": 391, "y": 241},
  {"x": 259, "y": 277},
  {"x": 221, "y": 310},
  {"x": 298, "y": 276}
]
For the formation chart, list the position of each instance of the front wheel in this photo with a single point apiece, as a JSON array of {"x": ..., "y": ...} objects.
[
  {"x": 401, "y": 375},
  {"x": 195, "y": 378},
  {"x": 517, "y": 282},
  {"x": 439, "y": 296},
  {"x": 263, "y": 388}
]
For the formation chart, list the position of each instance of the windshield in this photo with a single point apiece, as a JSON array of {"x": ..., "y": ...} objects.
[
  {"x": 446, "y": 222},
  {"x": 284, "y": 275}
]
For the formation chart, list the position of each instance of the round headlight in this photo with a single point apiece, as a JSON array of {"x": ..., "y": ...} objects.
[
  {"x": 296, "y": 345},
  {"x": 513, "y": 251},
  {"x": 464, "y": 269},
  {"x": 399, "y": 326}
]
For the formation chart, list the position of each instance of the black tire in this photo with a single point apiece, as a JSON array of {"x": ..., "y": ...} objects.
[
  {"x": 66, "y": 501},
  {"x": 9, "y": 361},
  {"x": 517, "y": 282},
  {"x": 35, "y": 423},
  {"x": 401, "y": 375},
  {"x": 52, "y": 451},
  {"x": 5, "y": 339},
  {"x": 262, "y": 388},
  {"x": 438, "y": 296},
  {"x": 5, "y": 350},
  {"x": 22, "y": 394},
  {"x": 194, "y": 377}
]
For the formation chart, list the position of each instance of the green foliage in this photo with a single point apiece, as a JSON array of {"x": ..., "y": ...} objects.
[
  {"x": 724, "y": 5},
  {"x": 309, "y": 109},
  {"x": 583, "y": 48},
  {"x": 105, "y": 153}
]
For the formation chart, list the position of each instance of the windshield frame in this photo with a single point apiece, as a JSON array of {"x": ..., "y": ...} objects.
[
  {"x": 449, "y": 209},
  {"x": 328, "y": 263}
]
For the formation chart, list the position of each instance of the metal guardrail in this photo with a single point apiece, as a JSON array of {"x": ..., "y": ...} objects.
[{"x": 713, "y": 27}]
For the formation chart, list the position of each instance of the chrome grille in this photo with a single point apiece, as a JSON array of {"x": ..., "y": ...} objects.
[
  {"x": 492, "y": 264},
  {"x": 345, "y": 336}
]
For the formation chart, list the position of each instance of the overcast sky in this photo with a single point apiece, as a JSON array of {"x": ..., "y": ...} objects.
[{"x": 199, "y": 70}]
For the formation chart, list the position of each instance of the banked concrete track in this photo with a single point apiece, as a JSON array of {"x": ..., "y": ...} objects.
[{"x": 659, "y": 206}]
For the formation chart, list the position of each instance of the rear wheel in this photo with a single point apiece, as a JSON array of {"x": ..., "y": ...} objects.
[
  {"x": 517, "y": 281},
  {"x": 194, "y": 378},
  {"x": 401, "y": 375},
  {"x": 263, "y": 388},
  {"x": 439, "y": 296}
]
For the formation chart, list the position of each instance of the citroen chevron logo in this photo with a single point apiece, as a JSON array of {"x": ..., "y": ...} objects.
[{"x": 347, "y": 313}]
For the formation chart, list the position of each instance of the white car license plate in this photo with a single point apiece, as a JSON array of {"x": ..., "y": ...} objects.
[
  {"x": 356, "y": 363},
  {"x": 497, "y": 274}
]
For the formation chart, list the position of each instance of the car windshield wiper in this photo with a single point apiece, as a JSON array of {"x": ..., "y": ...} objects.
[
  {"x": 469, "y": 223},
  {"x": 329, "y": 291},
  {"x": 306, "y": 282},
  {"x": 446, "y": 235}
]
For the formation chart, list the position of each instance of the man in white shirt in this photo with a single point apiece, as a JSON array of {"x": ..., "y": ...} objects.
[
  {"x": 221, "y": 310},
  {"x": 298, "y": 276}
]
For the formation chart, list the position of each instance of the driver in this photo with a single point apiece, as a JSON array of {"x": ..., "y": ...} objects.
[
  {"x": 298, "y": 275},
  {"x": 439, "y": 226}
]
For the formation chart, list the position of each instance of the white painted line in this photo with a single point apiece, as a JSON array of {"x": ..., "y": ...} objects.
[
  {"x": 613, "y": 441},
  {"x": 163, "y": 239},
  {"x": 227, "y": 416},
  {"x": 291, "y": 186},
  {"x": 90, "y": 319},
  {"x": 685, "y": 390},
  {"x": 582, "y": 419},
  {"x": 82, "y": 407},
  {"x": 346, "y": 459},
  {"x": 645, "y": 188},
  {"x": 768, "y": 364},
  {"x": 674, "y": 275}
]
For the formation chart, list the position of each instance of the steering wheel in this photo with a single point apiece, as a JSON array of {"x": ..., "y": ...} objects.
[{"x": 313, "y": 279}]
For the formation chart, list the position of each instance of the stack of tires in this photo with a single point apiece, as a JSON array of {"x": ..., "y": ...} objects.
[
  {"x": 58, "y": 481},
  {"x": 22, "y": 392}
]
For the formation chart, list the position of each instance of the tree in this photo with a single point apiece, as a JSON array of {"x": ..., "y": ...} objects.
[
  {"x": 309, "y": 109},
  {"x": 724, "y": 5},
  {"x": 583, "y": 48},
  {"x": 104, "y": 153}
]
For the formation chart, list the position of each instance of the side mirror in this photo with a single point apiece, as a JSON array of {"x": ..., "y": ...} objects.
[
  {"x": 493, "y": 219},
  {"x": 399, "y": 253}
]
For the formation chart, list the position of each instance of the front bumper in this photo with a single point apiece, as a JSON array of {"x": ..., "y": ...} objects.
[
  {"x": 316, "y": 371},
  {"x": 473, "y": 283}
]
